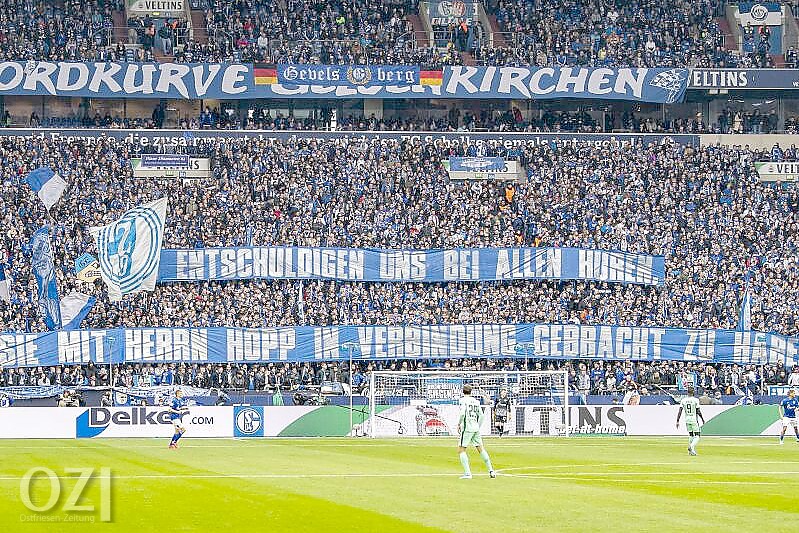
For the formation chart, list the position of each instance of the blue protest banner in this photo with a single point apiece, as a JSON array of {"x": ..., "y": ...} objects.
[
  {"x": 366, "y": 343},
  {"x": 463, "y": 264}
]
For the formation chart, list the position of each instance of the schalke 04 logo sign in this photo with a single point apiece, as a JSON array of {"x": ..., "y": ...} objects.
[{"x": 248, "y": 420}]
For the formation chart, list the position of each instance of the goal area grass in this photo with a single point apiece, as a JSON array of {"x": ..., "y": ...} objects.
[{"x": 411, "y": 484}]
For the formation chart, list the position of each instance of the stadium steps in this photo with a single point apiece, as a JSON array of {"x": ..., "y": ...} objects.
[
  {"x": 418, "y": 30},
  {"x": 729, "y": 39},
  {"x": 160, "y": 56},
  {"x": 499, "y": 39},
  {"x": 779, "y": 60},
  {"x": 198, "y": 26},
  {"x": 120, "y": 26},
  {"x": 467, "y": 58}
]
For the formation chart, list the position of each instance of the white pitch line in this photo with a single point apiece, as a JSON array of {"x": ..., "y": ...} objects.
[
  {"x": 639, "y": 480},
  {"x": 159, "y": 446},
  {"x": 555, "y": 467},
  {"x": 581, "y": 476},
  {"x": 685, "y": 473},
  {"x": 599, "y": 465},
  {"x": 256, "y": 476}
]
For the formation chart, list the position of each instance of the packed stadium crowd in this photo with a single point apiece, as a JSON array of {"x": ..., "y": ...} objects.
[
  {"x": 591, "y": 33},
  {"x": 580, "y": 32},
  {"x": 57, "y": 31},
  {"x": 702, "y": 208},
  {"x": 585, "y": 377}
]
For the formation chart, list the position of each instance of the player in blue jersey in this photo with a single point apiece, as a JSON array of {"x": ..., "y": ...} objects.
[
  {"x": 788, "y": 409},
  {"x": 177, "y": 410}
]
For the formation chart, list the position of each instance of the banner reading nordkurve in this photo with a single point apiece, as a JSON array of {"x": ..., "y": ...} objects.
[
  {"x": 463, "y": 264},
  {"x": 193, "y": 81},
  {"x": 129, "y": 250},
  {"x": 563, "y": 341}
]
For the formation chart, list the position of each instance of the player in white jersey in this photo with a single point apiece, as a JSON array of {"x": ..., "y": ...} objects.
[
  {"x": 471, "y": 418},
  {"x": 690, "y": 404}
]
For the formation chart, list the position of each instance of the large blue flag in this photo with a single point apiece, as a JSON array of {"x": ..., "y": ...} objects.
[
  {"x": 44, "y": 272},
  {"x": 129, "y": 250}
]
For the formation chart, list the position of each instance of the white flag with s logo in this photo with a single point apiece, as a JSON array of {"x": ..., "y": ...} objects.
[{"x": 129, "y": 250}]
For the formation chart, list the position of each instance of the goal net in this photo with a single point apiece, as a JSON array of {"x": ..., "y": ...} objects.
[{"x": 425, "y": 403}]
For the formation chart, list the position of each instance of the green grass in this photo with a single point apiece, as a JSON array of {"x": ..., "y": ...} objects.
[{"x": 342, "y": 485}]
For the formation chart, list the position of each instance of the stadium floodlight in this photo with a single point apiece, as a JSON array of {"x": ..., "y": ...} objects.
[{"x": 425, "y": 403}]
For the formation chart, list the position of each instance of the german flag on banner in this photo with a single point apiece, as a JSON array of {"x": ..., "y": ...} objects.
[
  {"x": 265, "y": 74},
  {"x": 431, "y": 77}
]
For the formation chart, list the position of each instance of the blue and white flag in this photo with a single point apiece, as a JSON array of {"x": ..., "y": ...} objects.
[
  {"x": 74, "y": 308},
  {"x": 47, "y": 185},
  {"x": 745, "y": 319},
  {"x": 5, "y": 284},
  {"x": 129, "y": 250},
  {"x": 44, "y": 272},
  {"x": 759, "y": 14}
]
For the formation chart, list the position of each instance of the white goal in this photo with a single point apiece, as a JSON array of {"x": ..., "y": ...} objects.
[{"x": 425, "y": 403}]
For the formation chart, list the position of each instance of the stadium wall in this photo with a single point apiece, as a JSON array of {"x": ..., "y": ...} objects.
[
  {"x": 333, "y": 421},
  {"x": 753, "y": 141},
  {"x": 175, "y": 138}
]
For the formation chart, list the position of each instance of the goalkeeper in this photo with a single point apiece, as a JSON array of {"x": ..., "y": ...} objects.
[
  {"x": 471, "y": 418},
  {"x": 501, "y": 411}
]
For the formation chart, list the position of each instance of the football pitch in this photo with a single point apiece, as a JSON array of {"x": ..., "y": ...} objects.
[{"x": 331, "y": 485}]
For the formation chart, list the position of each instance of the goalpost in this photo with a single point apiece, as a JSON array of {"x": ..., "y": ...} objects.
[{"x": 425, "y": 403}]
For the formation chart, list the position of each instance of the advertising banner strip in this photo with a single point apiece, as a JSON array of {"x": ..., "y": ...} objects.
[
  {"x": 777, "y": 171},
  {"x": 365, "y": 343},
  {"x": 472, "y": 164},
  {"x": 164, "y": 160},
  {"x": 331, "y": 421},
  {"x": 463, "y": 264},
  {"x": 748, "y": 79},
  {"x": 228, "y": 81}
]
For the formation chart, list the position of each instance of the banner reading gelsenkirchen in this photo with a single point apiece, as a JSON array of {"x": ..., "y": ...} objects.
[
  {"x": 129, "y": 250},
  {"x": 195, "y": 81},
  {"x": 338, "y": 343},
  {"x": 462, "y": 264}
]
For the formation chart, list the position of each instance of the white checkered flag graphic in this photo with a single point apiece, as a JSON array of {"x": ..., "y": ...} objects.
[{"x": 672, "y": 81}]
